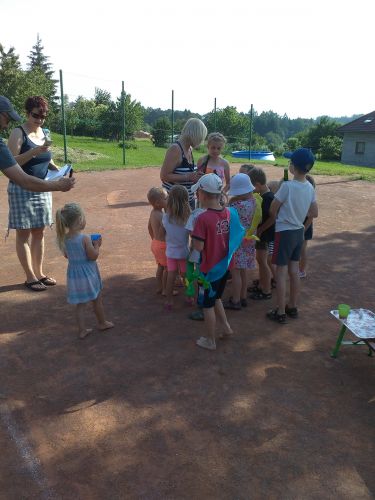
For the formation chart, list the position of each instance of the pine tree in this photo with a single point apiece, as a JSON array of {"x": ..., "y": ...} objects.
[{"x": 38, "y": 60}]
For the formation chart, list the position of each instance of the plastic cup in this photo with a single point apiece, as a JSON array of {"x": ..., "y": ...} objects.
[
  {"x": 95, "y": 236},
  {"x": 343, "y": 310}
]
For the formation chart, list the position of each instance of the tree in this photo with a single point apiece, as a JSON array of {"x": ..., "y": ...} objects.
[
  {"x": 102, "y": 97},
  {"x": 232, "y": 124},
  {"x": 293, "y": 143},
  {"x": 161, "y": 131},
  {"x": 326, "y": 127},
  {"x": 330, "y": 148},
  {"x": 11, "y": 76},
  {"x": 38, "y": 60}
]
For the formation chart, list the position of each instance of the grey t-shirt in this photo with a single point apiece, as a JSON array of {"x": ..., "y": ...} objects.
[
  {"x": 296, "y": 198},
  {"x": 6, "y": 158}
]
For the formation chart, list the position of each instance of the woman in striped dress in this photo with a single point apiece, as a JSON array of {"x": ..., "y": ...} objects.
[{"x": 178, "y": 166}]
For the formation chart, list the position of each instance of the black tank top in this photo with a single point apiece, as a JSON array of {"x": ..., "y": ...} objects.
[
  {"x": 184, "y": 168},
  {"x": 38, "y": 166}
]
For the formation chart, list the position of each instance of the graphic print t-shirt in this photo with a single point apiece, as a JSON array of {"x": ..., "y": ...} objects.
[{"x": 212, "y": 227}]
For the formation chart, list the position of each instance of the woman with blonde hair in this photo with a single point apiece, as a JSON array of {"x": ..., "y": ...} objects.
[{"x": 178, "y": 166}]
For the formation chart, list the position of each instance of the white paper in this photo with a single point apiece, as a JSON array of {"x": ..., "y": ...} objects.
[{"x": 53, "y": 175}]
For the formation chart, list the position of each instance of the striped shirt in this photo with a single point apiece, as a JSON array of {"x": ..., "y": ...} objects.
[{"x": 182, "y": 169}]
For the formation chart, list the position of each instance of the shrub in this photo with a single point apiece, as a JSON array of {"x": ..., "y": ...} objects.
[
  {"x": 330, "y": 148},
  {"x": 161, "y": 131},
  {"x": 129, "y": 145}
]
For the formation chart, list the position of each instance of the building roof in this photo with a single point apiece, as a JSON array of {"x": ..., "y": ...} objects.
[{"x": 365, "y": 123}]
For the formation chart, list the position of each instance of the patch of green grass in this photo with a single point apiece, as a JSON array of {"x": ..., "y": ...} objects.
[
  {"x": 335, "y": 168},
  {"x": 87, "y": 153}
]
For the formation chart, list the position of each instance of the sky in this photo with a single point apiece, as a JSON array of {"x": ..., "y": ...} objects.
[{"x": 304, "y": 58}]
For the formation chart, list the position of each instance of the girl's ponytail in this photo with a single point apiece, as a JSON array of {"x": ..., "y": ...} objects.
[{"x": 60, "y": 229}]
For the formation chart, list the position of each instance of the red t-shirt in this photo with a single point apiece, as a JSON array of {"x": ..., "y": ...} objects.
[{"x": 212, "y": 227}]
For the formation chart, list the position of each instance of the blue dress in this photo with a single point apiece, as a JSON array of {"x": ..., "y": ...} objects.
[{"x": 83, "y": 277}]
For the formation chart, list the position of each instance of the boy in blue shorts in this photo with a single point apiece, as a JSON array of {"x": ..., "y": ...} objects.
[{"x": 293, "y": 202}]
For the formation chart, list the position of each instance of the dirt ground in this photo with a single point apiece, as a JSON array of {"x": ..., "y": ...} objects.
[{"x": 141, "y": 412}]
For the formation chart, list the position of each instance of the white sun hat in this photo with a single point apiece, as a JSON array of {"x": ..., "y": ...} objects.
[{"x": 240, "y": 184}]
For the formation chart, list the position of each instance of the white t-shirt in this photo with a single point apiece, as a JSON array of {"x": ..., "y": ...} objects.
[
  {"x": 296, "y": 198},
  {"x": 193, "y": 217},
  {"x": 177, "y": 239}
]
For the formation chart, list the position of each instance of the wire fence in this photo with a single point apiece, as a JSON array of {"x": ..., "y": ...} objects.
[{"x": 117, "y": 120}]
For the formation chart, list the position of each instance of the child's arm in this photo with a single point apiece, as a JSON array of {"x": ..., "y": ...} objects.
[
  {"x": 275, "y": 207},
  {"x": 91, "y": 247},
  {"x": 266, "y": 225},
  {"x": 313, "y": 211},
  {"x": 198, "y": 245},
  {"x": 150, "y": 231},
  {"x": 227, "y": 176}
]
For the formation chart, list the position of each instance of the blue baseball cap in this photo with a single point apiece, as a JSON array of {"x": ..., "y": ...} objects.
[
  {"x": 6, "y": 107},
  {"x": 302, "y": 158}
]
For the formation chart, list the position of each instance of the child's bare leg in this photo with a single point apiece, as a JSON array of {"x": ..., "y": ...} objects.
[
  {"x": 82, "y": 331},
  {"x": 103, "y": 324},
  {"x": 243, "y": 277},
  {"x": 222, "y": 317},
  {"x": 210, "y": 322},
  {"x": 236, "y": 285},
  {"x": 159, "y": 279},
  {"x": 171, "y": 278},
  {"x": 293, "y": 269},
  {"x": 264, "y": 271},
  {"x": 164, "y": 281},
  {"x": 303, "y": 259},
  {"x": 272, "y": 267},
  {"x": 281, "y": 274}
]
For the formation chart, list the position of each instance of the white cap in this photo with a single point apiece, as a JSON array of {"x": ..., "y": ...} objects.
[
  {"x": 240, "y": 184},
  {"x": 211, "y": 183}
]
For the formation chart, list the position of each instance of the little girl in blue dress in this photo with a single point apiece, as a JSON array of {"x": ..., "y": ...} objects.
[{"x": 83, "y": 278}]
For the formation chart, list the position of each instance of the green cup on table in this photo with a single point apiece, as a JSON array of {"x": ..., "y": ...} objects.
[{"x": 343, "y": 310}]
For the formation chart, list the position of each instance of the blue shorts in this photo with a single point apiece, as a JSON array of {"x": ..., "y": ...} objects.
[{"x": 288, "y": 246}]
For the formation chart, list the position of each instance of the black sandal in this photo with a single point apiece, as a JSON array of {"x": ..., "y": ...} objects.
[
  {"x": 35, "y": 286},
  {"x": 47, "y": 281},
  {"x": 275, "y": 316},
  {"x": 229, "y": 304}
]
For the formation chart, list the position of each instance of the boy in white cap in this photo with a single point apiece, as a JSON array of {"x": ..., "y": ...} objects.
[
  {"x": 292, "y": 203},
  {"x": 210, "y": 237}
]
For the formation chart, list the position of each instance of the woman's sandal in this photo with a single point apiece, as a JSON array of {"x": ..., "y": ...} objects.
[
  {"x": 35, "y": 286},
  {"x": 47, "y": 281}
]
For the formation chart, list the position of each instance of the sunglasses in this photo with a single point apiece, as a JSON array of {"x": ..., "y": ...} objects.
[{"x": 36, "y": 115}]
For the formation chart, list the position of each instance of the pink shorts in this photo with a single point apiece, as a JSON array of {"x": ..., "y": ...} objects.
[
  {"x": 158, "y": 249},
  {"x": 175, "y": 264}
]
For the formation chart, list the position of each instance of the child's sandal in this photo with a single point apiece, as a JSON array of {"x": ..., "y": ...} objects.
[
  {"x": 260, "y": 295},
  {"x": 274, "y": 315}
]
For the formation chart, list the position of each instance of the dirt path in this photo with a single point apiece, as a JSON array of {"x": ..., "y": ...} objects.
[{"x": 140, "y": 412}]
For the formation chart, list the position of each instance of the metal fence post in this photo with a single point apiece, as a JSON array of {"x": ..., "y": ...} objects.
[
  {"x": 63, "y": 116},
  {"x": 123, "y": 122}
]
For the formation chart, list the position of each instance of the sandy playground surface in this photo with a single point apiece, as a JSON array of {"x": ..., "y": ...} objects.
[{"x": 141, "y": 412}]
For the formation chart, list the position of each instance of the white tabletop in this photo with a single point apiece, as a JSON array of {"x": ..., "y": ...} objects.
[{"x": 361, "y": 322}]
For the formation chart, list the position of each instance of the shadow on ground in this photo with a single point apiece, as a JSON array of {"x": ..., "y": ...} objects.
[{"x": 140, "y": 412}]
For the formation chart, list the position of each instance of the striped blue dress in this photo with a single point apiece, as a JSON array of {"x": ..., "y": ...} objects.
[{"x": 83, "y": 277}]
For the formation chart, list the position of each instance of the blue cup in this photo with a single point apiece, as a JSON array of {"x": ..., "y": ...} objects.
[{"x": 95, "y": 236}]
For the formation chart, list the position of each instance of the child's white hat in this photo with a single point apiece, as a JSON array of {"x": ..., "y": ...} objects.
[
  {"x": 240, "y": 184},
  {"x": 211, "y": 183}
]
